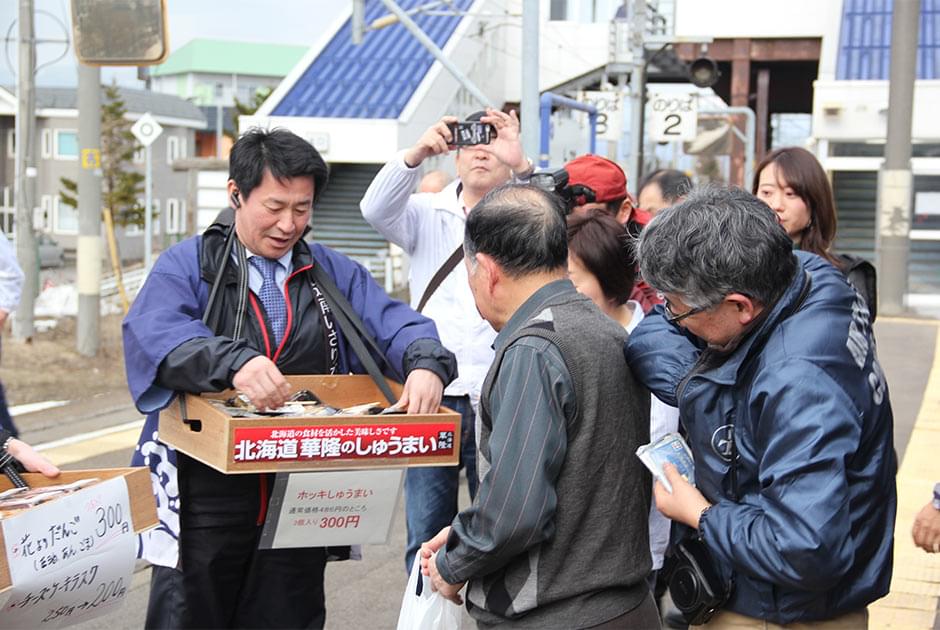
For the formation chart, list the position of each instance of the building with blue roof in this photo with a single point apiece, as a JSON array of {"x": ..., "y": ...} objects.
[
  {"x": 850, "y": 113},
  {"x": 360, "y": 103}
]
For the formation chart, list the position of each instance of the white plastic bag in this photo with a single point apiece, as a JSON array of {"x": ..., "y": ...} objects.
[{"x": 429, "y": 610}]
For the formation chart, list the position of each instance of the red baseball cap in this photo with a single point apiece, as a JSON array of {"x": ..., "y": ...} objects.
[{"x": 604, "y": 177}]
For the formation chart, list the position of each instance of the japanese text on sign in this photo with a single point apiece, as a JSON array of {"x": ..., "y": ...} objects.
[
  {"x": 269, "y": 444},
  {"x": 673, "y": 116},
  {"x": 70, "y": 559},
  {"x": 331, "y": 508}
]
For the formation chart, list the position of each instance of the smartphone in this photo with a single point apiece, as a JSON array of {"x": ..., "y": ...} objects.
[{"x": 467, "y": 134}]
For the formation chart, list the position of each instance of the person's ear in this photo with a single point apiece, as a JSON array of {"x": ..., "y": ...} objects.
[
  {"x": 625, "y": 211},
  {"x": 233, "y": 197},
  {"x": 745, "y": 307},
  {"x": 492, "y": 272}
]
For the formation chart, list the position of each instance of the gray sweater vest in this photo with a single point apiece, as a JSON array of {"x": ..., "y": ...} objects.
[{"x": 594, "y": 567}]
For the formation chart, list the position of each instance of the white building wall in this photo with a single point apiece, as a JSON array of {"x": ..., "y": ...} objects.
[
  {"x": 756, "y": 19},
  {"x": 858, "y": 110}
]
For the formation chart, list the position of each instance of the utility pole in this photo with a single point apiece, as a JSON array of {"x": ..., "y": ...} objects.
[
  {"x": 530, "y": 79},
  {"x": 89, "y": 210},
  {"x": 895, "y": 180},
  {"x": 25, "y": 171},
  {"x": 637, "y": 90}
]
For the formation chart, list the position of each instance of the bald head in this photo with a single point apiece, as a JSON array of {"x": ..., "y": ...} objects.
[
  {"x": 433, "y": 182},
  {"x": 521, "y": 227}
]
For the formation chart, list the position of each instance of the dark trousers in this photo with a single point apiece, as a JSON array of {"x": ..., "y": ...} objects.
[
  {"x": 272, "y": 594},
  {"x": 225, "y": 581},
  {"x": 431, "y": 492},
  {"x": 6, "y": 422}
]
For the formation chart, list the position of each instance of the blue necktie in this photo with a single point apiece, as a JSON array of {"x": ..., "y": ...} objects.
[{"x": 271, "y": 296}]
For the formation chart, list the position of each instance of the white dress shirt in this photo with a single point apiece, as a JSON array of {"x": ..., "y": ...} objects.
[{"x": 429, "y": 227}]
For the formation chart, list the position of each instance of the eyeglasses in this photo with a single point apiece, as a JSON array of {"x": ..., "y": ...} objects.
[{"x": 674, "y": 318}]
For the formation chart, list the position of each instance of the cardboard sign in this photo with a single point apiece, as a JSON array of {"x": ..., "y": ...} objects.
[
  {"x": 70, "y": 560},
  {"x": 321, "y": 509},
  {"x": 343, "y": 442}
]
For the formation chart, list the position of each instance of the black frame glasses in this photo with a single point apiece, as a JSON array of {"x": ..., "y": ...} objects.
[{"x": 674, "y": 318}]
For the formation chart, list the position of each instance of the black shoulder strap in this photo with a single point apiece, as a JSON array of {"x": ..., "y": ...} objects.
[
  {"x": 355, "y": 330},
  {"x": 449, "y": 265}
]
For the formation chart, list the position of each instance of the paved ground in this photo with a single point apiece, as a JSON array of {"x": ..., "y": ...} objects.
[
  {"x": 367, "y": 594},
  {"x": 915, "y": 586}
]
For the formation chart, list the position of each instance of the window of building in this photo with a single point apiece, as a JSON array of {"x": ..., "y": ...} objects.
[
  {"x": 11, "y": 143},
  {"x": 66, "y": 144},
  {"x": 46, "y": 143},
  {"x": 175, "y": 216},
  {"x": 154, "y": 219},
  {"x": 558, "y": 10},
  {"x": 172, "y": 149},
  {"x": 65, "y": 218}
]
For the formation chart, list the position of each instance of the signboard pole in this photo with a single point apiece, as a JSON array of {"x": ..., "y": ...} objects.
[
  {"x": 88, "y": 250},
  {"x": 148, "y": 211},
  {"x": 146, "y": 130}
]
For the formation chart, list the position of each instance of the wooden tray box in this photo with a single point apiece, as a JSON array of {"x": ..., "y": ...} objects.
[
  {"x": 192, "y": 425},
  {"x": 139, "y": 492}
]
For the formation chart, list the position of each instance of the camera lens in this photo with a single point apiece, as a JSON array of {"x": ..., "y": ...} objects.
[{"x": 684, "y": 588}]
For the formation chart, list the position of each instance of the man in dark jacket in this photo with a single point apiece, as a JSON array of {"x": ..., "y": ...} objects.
[
  {"x": 268, "y": 318},
  {"x": 769, "y": 356},
  {"x": 557, "y": 534}
]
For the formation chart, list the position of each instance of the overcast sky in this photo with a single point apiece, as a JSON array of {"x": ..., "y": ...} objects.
[{"x": 270, "y": 21}]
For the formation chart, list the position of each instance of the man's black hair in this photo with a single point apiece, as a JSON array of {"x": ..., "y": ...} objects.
[
  {"x": 282, "y": 153},
  {"x": 521, "y": 227}
]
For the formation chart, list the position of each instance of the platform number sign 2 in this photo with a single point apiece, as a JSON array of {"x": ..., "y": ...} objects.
[{"x": 674, "y": 116}]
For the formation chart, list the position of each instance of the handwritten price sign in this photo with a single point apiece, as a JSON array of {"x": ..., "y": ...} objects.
[{"x": 70, "y": 560}]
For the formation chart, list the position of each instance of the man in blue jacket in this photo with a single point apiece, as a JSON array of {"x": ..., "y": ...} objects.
[
  {"x": 770, "y": 358},
  {"x": 268, "y": 318}
]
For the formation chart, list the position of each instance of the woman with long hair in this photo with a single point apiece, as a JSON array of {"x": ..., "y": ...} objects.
[{"x": 793, "y": 183}]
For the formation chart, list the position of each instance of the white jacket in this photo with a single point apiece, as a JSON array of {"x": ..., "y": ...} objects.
[{"x": 429, "y": 227}]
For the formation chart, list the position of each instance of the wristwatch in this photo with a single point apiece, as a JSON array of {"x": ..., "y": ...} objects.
[
  {"x": 936, "y": 496},
  {"x": 701, "y": 522}
]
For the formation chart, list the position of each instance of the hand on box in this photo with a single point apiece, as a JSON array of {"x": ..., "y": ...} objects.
[
  {"x": 263, "y": 383},
  {"x": 422, "y": 392},
  {"x": 685, "y": 503},
  {"x": 30, "y": 459}
]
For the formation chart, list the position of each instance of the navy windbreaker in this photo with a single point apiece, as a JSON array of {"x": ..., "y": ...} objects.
[{"x": 810, "y": 535}]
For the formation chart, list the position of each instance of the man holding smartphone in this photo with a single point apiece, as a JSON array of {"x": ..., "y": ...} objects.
[{"x": 430, "y": 228}]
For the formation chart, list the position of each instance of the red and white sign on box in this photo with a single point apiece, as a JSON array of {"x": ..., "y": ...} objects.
[
  {"x": 320, "y": 509},
  {"x": 343, "y": 442}
]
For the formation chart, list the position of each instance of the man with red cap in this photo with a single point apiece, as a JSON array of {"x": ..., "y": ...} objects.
[{"x": 596, "y": 183}]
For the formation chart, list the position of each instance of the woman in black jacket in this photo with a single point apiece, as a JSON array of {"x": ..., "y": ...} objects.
[{"x": 793, "y": 183}]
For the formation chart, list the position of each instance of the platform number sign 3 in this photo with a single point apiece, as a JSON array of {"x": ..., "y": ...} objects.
[{"x": 674, "y": 116}]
